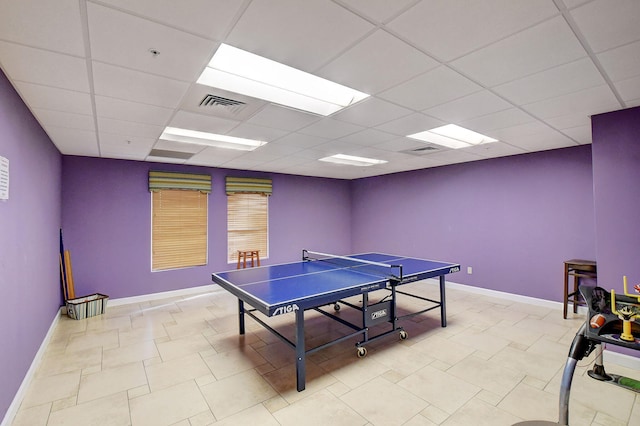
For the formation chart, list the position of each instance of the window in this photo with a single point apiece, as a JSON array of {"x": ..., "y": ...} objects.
[
  {"x": 247, "y": 216},
  {"x": 179, "y": 217}
]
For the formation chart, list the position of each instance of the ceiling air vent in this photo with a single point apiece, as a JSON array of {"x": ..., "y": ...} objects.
[
  {"x": 230, "y": 105},
  {"x": 170, "y": 154},
  {"x": 423, "y": 150}
]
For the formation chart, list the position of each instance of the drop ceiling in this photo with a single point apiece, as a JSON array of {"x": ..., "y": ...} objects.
[{"x": 104, "y": 78}]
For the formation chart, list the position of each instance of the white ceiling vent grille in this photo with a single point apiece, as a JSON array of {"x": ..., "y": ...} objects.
[
  {"x": 170, "y": 154},
  {"x": 230, "y": 105},
  {"x": 423, "y": 150}
]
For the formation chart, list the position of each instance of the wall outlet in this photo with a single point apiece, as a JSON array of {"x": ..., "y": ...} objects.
[{"x": 469, "y": 270}]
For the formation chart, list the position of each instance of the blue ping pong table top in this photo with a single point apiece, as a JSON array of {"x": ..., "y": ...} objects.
[{"x": 278, "y": 289}]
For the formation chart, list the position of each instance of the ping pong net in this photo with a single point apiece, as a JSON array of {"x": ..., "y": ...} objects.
[{"x": 391, "y": 272}]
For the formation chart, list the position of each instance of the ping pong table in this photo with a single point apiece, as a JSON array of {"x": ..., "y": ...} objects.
[{"x": 321, "y": 280}]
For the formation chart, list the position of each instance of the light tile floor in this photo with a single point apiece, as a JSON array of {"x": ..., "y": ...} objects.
[{"x": 181, "y": 362}]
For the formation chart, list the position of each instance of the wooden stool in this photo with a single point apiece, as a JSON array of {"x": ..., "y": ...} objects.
[
  {"x": 577, "y": 268},
  {"x": 244, "y": 255}
]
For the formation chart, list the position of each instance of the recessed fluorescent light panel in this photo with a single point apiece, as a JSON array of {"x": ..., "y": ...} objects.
[
  {"x": 452, "y": 136},
  {"x": 238, "y": 71},
  {"x": 352, "y": 160},
  {"x": 209, "y": 139}
]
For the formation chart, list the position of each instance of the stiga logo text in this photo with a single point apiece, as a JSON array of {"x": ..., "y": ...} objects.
[
  {"x": 285, "y": 309},
  {"x": 379, "y": 314}
]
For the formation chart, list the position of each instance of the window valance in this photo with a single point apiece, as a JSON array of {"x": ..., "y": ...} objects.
[
  {"x": 242, "y": 185},
  {"x": 174, "y": 180}
]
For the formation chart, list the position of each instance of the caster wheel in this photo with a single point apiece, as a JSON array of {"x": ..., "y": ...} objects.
[
  {"x": 403, "y": 335},
  {"x": 362, "y": 352},
  {"x": 336, "y": 307}
]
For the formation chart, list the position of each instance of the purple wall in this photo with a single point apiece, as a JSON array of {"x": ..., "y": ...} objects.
[
  {"x": 107, "y": 213},
  {"x": 616, "y": 178},
  {"x": 29, "y": 226},
  {"x": 514, "y": 220}
]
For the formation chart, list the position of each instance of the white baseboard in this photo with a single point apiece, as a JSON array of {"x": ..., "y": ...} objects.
[
  {"x": 622, "y": 360},
  {"x": 505, "y": 295},
  {"x": 17, "y": 399},
  {"x": 165, "y": 294}
]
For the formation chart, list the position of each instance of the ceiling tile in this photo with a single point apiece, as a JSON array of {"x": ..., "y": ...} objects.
[
  {"x": 52, "y": 25},
  {"x": 517, "y": 131},
  {"x": 381, "y": 52},
  {"x": 300, "y": 140},
  {"x": 330, "y": 129},
  {"x": 467, "y": 25},
  {"x": 214, "y": 157},
  {"x": 629, "y": 89},
  {"x": 400, "y": 144},
  {"x": 121, "y": 39},
  {"x": 280, "y": 149},
  {"x": 495, "y": 149},
  {"x": 574, "y": 3},
  {"x": 368, "y": 137},
  {"x": 252, "y": 131},
  {"x": 608, "y": 23},
  {"x": 121, "y": 127},
  {"x": 38, "y": 96},
  {"x": 286, "y": 162},
  {"x": 467, "y": 107},
  {"x": 42, "y": 67},
  {"x": 497, "y": 120},
  {"x": 548, "y": 139},
  {"x": 572, "y": 77},
  {"x": 430, "y": 89},
  {"x": 137, "y": 86},
  {"x": 212, "y": 18},
  {"x": 378, "y": 10},
  {"x": 203, "y": 123},
  {"x": 580, "y": 134},
  {"x": 48, "y": 117},
  {"x": 125, "y": 146},
  {"x": 74, "y": 141},
  {"x": 371, "y": 112},
  {"x": 414, "y": 123},
  {"x": 131, "y": 111},
  {"x": 574, "y": 119},
  {"x": 592, "y": 99},
  {"x": 297, "y": 33},
  {"x": 543, "y": 46},
  {"x": 622, "y": 62},
  {"x": 283, "y": 118},
  {"x": 453, "y": 156}
]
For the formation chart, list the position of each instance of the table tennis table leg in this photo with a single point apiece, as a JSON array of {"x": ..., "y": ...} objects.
[
  {"x": 300, "y": 351},
  {"x": 241, "y": 315},
  {"x": 443, "y": 308}
]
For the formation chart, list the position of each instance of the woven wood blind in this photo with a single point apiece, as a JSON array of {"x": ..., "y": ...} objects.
[
  {"x": 175, "y": 180},
  {"x": 179, "y": 229},
  {"x": 235, "y": 185},
  {"x": 247, "y": 224}
]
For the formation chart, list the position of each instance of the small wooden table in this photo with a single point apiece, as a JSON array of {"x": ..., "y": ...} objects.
[
  {"x": 244, "y": 255},
  {"x": 576, "y": 268}
]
